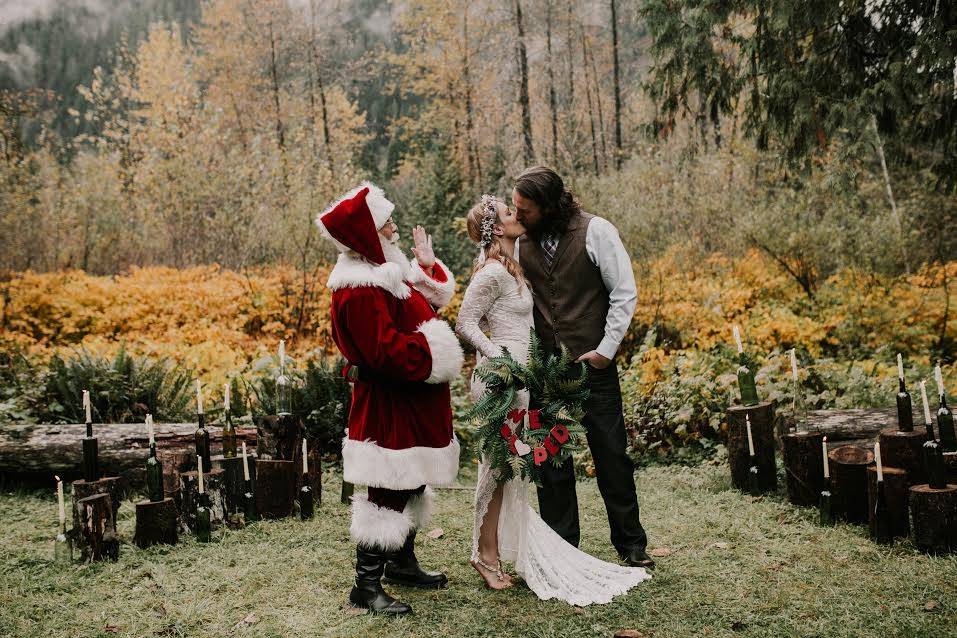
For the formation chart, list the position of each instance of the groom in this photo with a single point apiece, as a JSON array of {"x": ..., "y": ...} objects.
[{"x": 584, "y": 293}]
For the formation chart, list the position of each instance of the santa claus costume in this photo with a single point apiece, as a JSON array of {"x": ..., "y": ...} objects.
[{"x": 400, "y": 438}]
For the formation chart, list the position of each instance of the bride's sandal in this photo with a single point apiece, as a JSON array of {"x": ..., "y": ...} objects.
[{"x": 494, "y": 577}]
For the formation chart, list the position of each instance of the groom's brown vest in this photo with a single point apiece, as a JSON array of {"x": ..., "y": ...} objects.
[{"x": 571, "y": 301}]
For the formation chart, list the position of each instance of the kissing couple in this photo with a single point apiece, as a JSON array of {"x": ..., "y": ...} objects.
[{"x": 543, "y": 263}]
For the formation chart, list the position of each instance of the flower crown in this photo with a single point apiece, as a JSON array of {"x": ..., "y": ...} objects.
[{"x": 489, "y": 218}]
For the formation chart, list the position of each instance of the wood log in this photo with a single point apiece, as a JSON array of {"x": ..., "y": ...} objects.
[
  {"x": 279, "y": 437},
  {"x": 234, "y": 485},
  {"x": 849, "y": 481},
  {"x": 111, "y": 486},
  {"x": 856, "y": 424},
  {"x": 896, "y": 492},
  {"x": 35, "y": 451},
  {"x": 156, "y": 522},
  {"x": 762, "y": 432},
  {"x": 905, "y": 450},
  {"x": 189, "y": 496},
  {"x": 934, "y": 513},
  {"x": 950, "y": 465},
  {"x": 98, "y": 531},
  {"x": 277, "y": 485},
  {"x": 803, "y": 467}
]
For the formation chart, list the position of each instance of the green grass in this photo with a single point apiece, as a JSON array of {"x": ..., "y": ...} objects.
[{"x": 779, "y": 574}]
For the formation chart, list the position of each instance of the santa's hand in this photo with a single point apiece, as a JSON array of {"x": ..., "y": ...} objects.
[{"x": 423, "y": 247}]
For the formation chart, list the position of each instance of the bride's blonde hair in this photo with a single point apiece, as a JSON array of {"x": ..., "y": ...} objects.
[{"x": 480, "y": 221}]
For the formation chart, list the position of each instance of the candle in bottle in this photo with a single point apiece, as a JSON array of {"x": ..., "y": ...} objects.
[
  {"x": 87, "y": 406},
  {"x": 226, "y": 397},
  {"x": 794, "y": 365},
  {"x": 737, "y": 339},
  {"x": 60, "y": 503},
  {"x": 747, "y": 423},
  {"x": 900, "y": 367},
  {"x": 305, "y": 462},
  {"x": 877, "y": 459},
  {"x": 245, "y": 464},
  {"x": 199, "y": 473},
  {"x": 149, "y": 424},
  {"x": 939, "y": 380},
  {"x": 282, "y": 354},
  {"x": 923, "y": 398},
  {"x": 199, "y": 398},
  {"x": 827, "y": 469}
]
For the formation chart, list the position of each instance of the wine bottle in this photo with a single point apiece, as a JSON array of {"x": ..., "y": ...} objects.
[
  {"x": 934, "y": 465},
  {"x": 154, "y": 468},
  {"x": 249, "y": 499},
  {"x": 882, "y": 523},
  {"x": 91, "y": 457},
  {"x": 905, "y": 407},
  {"x": 305, "y": 493},
  {"x": 229, "y": 432},
  {"x": 825, "y": 505},
  {"x": 945, "y": 418},
  {"x": 754, "y": 480},
  {"x": 347, "y": 490},
  {"x": 203, "y": 521},
  {"x": 62, "y": 545},
  {"x": 202, "y": 440}
]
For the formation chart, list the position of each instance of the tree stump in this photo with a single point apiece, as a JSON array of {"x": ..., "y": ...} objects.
[
  {"x": 935, "y": 518},
  {"x": 98, "y": 529},
  {"x": 279, "y": 437},
  {"x": 896, "y": 491},
  {"x": 156, "y": 522},
  {"x": 950, "y": 465},
  {"x": 905, "y": 450},
  {"x": 762, "y": 431},
  {"x": 849, "y": 478},
  {"x": 803, "y": 467},
  {"x": 234, "y": 486},
  {"x": 189, "y": 494},
  {"x": 277, "y": 484},
  {"x": 81, "y": 490}
]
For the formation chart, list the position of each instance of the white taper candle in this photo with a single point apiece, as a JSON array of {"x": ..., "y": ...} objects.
[
  {"x": 86, "y": 406},
  {"x": 827, "y": 468},
  {"x": 737, "y": 339},
  {"x": 226, "y": 397},
  {"x": 149, "y": 424},
  {"x": 199, "y": 473},
  {"x": 245, "y": 464},
  {"x": 282, "y": 354},
  {"x": 939, "y": 380},
  {"x": 900, "y": 367},
  {"x": 923, "y": 398},
  {"x": 877, "y": 459},
  {"x": 794, "y": 365},
  {"x": 60, "y": 504},
  {"x": 199, "y": 398},
  {"x": 305, "y": 461},
  {"x": 747, "y": 424}
]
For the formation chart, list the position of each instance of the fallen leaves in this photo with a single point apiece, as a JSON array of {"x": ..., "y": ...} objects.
[
  {"x": 660, "y": 552},
  {"x": 630, "y": 633},
  {"x": 250, "y": 619},
  {"x": 436, "y": 533},
  {"x": 930, "y": 605}
]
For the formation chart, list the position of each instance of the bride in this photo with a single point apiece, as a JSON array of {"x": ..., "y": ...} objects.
[{"x": 506, "y": 527}]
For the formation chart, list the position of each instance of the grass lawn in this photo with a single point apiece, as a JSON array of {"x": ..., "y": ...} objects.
[{"x": 739, "y": 567}]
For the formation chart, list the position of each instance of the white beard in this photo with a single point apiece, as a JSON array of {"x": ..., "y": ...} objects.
[{"x": 394, "y": 254}]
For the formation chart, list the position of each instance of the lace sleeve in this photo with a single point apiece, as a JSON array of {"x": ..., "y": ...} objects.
[{"x": 483, "y": 290}]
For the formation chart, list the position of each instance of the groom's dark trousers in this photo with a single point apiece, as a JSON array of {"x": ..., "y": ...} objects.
[{"x": 605, "y": 425}]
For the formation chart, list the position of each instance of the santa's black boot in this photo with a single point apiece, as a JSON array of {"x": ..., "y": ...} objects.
[
  {"x": 368, "y": 592},
  {"x": 403, "y": 569}
]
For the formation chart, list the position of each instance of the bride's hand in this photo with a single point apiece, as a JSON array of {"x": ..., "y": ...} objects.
[{"x": 423, "y": 247}]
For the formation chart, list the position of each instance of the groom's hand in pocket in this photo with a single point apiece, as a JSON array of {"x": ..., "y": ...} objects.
[{"x": 594, "y": 360}]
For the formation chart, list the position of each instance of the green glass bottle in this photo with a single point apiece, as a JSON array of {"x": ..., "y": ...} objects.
[
  {"x": 202, "y": 440},
  {"x": 249, "y": 502},
  {"x": 826, "y": 505},
  {"x": 882, "y": 524},
  {"x": 347, "y": 490},
  {"x": 229, "y": 438},
  {"x": 62, "y": 548},
  {"x": 905, "y": 408},
  {"x": 203, "y": 519},
  {"x": 91, "y": 459},
  {"x": 305, "y": 492},
  {"x": 945, "y": 418},
  {"x": 934, "y": 465},
  {"x": 746, "y": 384},
  {"x": 154, "y": 476}
]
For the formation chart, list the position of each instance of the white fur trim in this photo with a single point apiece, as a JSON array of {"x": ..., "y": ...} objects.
[
  {"x": 439, "y": 293},
  {"x": 374, "y": 526},
  {"x": 444, "y": 348},
  {"x": 419, "y": 508},
  {"x": 352, "y": 271},
  {"x": 365, "y": 463}
]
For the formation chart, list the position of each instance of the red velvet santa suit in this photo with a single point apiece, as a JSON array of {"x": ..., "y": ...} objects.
[{"x": 383, "y": 321}]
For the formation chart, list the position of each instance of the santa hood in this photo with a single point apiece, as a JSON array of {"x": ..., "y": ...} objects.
[{"x": 353, "y": 221}]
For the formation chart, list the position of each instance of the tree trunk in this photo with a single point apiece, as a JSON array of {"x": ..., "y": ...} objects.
[
  {"x": 98, "y": 532},
  {"x": 762, "y": 433},
  {"x": 803, "y": 467},
  {"x": 852, "y": 424},
  {"x": 35, "y": 451},
  {"x": 276, "y": 488},
  {"x": 474, "y": 162},
  {"x": 317, "y": 72},
  {"x": 591, "y": 110},
  {"x": 280, "y": 128},
  {"x": 896, "y": 489},
  {"x": 234, "y": 485},
  {"x": 905, "y": 450},
  {"x": 935, "y": 518},
  {"x": 849, "y": 465},
  {"x": 213, "y": 487},
  {"x": 617, "y": 81},
  {"x": 156, "y": 522},
  {"x": 87, "y": 536},
  {"x": 552, "y": 102},
  {"x": 601, "y": 111},
  {"x": 528, "y": 152},
  {"x": 279, "y": 437}
]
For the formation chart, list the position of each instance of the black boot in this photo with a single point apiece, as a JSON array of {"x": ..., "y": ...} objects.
[
  {"x": 368, "y": 593},
  {"x": 403, "y": 569}
]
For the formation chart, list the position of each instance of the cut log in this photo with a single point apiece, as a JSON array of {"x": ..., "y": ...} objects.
[
  {"x": 762, "y": 431},
  {"x": 855, "y": 424},
  {"x": 98, "y": 530},
  {"x": 277, "y": 484},
  {"x": 233, "y": 482},
  {"x": 34, "y": 452},
  {"x": 82, "y": 490},
  {"x": 803, "y": 467},
  {"x": 189, "y": 497},
  {"x": 950, "y": 465},
  {"x": 905, "y": 450},
  {"x": 896, "y": 491},
  {"x": 849, "y": 481},
  {"x": 156, "y": 522},
  {"x": 934, "y": 513},
  {"x": 279, "y": 437}
]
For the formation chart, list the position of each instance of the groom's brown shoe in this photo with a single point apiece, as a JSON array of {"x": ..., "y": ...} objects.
[{"x": 638, "y": 558}]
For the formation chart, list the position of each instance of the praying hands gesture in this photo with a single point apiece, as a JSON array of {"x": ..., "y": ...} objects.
[{"x": 423, "y": 249}]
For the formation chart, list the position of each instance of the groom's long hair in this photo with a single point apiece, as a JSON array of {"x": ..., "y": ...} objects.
[{"x": 546, "y": 188}]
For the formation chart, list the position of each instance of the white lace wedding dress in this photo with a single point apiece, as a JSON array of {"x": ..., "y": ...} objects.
[{"x": 551, "y": 567}]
